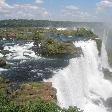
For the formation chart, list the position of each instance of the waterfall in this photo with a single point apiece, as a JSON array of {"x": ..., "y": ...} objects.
[
  {"x": 82, "y": 82},
  {"x": 104, "y": 56}
]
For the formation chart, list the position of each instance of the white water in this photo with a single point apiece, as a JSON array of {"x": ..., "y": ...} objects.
[
  {"x": 82, "y": 83},
  {"x": 104, "y": 56},
  {"x": 20, "y": 51}
]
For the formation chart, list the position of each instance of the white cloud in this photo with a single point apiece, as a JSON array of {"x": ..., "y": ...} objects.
[
  {"x": 75, "y": 13},
  {"x": 70, "y": 12},
  {"x": 104, "y": 4},
  {"x": 71, "y": 7},
  {"x": 4, "y": 7},
  {"x": 39, "y": 1},
  {"x": 24, "y": 11},
  {"x": 104, "y": 9}
]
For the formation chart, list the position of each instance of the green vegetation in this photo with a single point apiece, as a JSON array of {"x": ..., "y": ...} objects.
[
  {"x": 34, "y": 96},
  {"x": 43, "y": 23},
  {"x": 82, "y": 32},
  {"x": 79, "y": 32},
  {"x": 3, "y": 86},
  {"x": 30, "y": 91},
  {"x": 17, "y": 33},
  {"x": 38, "y": 105},
  {"x": 52, "y": 47},
  {"x": 49, "y": 47}
]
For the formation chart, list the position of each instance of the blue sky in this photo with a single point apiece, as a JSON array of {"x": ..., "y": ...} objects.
[
  {"x": 58, "y": 4},
  {"x": 86, "y": 4},
  {"x": 73, "y": 10}
]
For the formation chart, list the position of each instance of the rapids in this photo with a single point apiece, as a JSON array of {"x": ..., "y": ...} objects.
[{"x": 24, "y": 64}]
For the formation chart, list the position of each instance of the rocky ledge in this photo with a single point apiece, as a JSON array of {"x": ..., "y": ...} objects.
[
  {"x": 30, "y": 91},
  {"x": 2, "y": 62},
  {"x": 26, "y": 92}
]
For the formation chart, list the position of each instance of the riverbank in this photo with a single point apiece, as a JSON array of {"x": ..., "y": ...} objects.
[{"x": 29, "y": 97}]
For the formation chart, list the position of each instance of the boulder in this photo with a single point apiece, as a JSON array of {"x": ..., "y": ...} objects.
[
  {"x": 2, "y": 63},
  {"x": 1, "y": 47}
]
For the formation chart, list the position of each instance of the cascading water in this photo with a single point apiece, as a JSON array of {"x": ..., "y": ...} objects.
[
  {"x": 104, "y": 56},
  {"x": 82, "y": 83}
]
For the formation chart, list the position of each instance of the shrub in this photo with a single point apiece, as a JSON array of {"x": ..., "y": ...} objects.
[{"x": 38, "y": 105}]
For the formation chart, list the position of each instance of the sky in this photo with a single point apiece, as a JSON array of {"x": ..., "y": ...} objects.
[{"x": 66, "y": 10}]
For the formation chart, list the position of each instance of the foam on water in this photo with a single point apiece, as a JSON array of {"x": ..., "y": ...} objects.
[
  {"x": 20, "y": 51},
  {"x": 1, "y": 55},
  {"x": 82, "y": 83}
]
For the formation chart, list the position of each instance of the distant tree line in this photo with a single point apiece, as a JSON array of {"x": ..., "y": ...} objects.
[{"x": 41, "y": 23}]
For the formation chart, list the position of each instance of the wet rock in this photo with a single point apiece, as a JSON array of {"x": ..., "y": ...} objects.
[
  {"x": 2, "y": 63},
  {"x": 108, "y": 103},
  {"x": 107, "y": 74},
  {"x": 4, "y": 52},
  {"x": 1, "y": 47}
]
